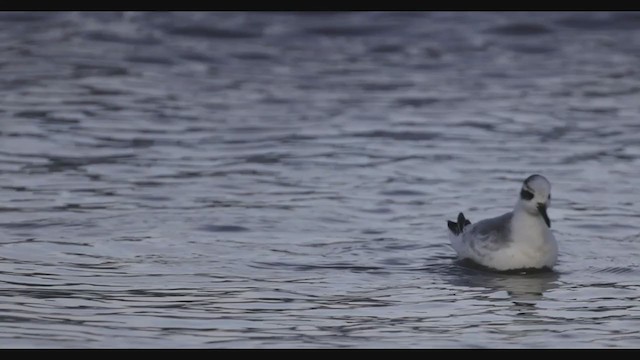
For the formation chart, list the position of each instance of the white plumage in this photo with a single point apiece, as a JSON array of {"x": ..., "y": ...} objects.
[{"x": 519, "y": 239}]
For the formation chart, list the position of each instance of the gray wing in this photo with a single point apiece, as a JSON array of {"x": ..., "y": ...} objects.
[{"x": 489, "y": 235}]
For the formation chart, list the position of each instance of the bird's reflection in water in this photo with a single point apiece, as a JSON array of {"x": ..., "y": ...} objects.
[{"x": 524, "y": 288}]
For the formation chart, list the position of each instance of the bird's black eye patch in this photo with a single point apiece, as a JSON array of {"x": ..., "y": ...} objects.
[
  {"x": 526, "y": 195},
  {"x": 549, "y": 196}
]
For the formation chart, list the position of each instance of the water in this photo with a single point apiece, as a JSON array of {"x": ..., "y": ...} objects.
[{"x": 269, "y": 180}]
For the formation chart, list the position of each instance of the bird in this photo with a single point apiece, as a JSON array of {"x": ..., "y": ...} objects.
[{"x": 518, "y": 240}]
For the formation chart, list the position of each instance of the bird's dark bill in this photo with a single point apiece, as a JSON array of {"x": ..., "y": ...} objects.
[{"x": 542, "y": 209}]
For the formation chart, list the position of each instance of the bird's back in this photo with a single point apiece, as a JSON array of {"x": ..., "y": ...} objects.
[{"x": 478, "y": 239}]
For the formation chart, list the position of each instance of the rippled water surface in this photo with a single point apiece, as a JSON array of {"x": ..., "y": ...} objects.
[{"x": 284, "y": 179}]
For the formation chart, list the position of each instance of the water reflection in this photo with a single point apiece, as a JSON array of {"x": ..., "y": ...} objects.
[{"x": 520, "y": 287}]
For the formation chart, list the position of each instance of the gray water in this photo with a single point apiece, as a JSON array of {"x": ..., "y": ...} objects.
[{"x": 272, "y": 180}]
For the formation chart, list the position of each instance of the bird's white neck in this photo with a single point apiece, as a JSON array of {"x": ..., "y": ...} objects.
[{"x": 526, "y": 222}]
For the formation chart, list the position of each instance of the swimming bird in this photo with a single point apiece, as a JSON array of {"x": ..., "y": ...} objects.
[{"x": 520, "y": 239}]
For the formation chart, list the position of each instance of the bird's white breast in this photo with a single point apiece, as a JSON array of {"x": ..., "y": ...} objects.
[{"x": 533, "y": 245}]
